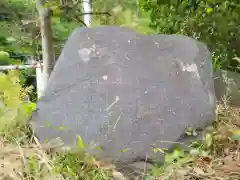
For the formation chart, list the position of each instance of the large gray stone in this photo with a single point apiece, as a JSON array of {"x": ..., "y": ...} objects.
[{"x": 122, "y": 90}]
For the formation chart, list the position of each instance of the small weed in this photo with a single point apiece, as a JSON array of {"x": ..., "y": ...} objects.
[{"x": 79, "y": 166}]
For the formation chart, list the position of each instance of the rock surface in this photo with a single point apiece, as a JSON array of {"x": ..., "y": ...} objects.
[{"x": 126, "y": 92}]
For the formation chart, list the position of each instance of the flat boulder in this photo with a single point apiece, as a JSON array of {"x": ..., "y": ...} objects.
[{"x": 126, "y": 92}]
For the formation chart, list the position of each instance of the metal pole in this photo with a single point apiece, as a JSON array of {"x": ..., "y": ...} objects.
[
  {"x": 87, "y": 9},
  {"x": 16, "y": 67}
]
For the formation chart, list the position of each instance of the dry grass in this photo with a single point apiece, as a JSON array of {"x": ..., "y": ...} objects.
[
  {"x": 41, "y": 162},
  {"x": 33, "y": 161},
  {"x": 223, "y": 161}
]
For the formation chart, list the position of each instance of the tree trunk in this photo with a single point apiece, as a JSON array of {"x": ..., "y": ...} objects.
[{"x": 47, "y": 39}]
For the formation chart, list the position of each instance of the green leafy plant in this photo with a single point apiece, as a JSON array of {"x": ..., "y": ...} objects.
[
  {"x": 215, "y": 23},
  {"x": 78, "y": 164},
  {"x": 4, "y": 58},
  {"x": 15, "y": 109}
]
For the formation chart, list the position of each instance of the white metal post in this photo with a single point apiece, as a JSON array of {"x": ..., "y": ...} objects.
[
  {"x": 40, "y": 81},
  {"x": 87, "y": 9}
]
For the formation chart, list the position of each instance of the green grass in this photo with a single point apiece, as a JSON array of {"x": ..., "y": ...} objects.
[{"x": 23, "y": 157}]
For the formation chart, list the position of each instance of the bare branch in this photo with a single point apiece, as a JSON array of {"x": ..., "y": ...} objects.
[
  {"x": 96, "y": 13},
  {"x": 80, "y": 21}
]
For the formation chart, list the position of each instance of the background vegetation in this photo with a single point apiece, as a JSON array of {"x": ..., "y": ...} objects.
[{"x": 214, "y": 22}]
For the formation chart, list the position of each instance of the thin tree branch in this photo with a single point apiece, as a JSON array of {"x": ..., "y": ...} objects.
[
  {"x": 96, "y": 13},
  {"x": 80, "y": 21}
]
